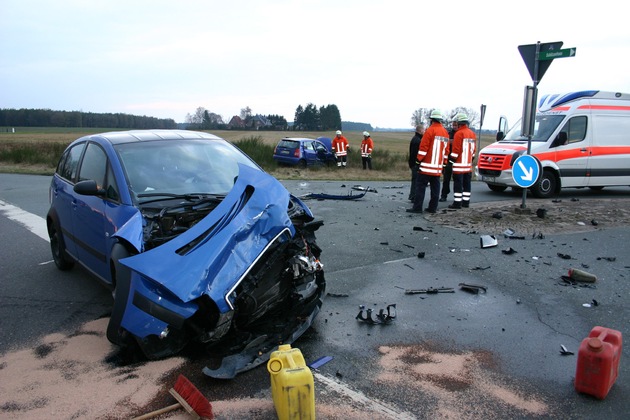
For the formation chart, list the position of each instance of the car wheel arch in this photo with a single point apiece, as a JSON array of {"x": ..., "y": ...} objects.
[{"x": 57, "y": 245}]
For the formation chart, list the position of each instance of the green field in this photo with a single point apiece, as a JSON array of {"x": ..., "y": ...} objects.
[{"x": 36, "y": 151}]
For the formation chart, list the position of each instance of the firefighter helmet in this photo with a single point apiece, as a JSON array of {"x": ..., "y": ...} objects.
[
  {"x": 338, "y": 132},
  {"x": 461, "y": 117},
  {"x": 366, "y": 134},
  {"x": 436, "y": 114}
]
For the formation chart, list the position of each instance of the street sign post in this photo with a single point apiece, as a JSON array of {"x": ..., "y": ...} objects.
[
  {"x": 537, "y": 58},
  {"x": 525, "y": 171}
]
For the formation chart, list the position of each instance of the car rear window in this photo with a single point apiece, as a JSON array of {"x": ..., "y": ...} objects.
[{"x": 289, "y": 144}]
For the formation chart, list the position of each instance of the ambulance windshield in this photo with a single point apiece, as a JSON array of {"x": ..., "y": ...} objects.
[{"x": 544, "y": 127}]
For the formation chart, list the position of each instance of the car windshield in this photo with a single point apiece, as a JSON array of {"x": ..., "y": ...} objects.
[
  {"x": 544, "y": 126},
  {"x": 181, "y": 166}
]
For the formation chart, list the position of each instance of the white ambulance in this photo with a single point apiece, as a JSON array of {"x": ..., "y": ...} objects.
[{"x": 582, "y": 139}]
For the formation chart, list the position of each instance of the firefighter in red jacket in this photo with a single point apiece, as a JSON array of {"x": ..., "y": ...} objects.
[
  {"x": 431, "y": 157},
  {"x": 461, "y": 155},
  {"x": 367, "y": 145},
  {"x": 340, "y": 148}
]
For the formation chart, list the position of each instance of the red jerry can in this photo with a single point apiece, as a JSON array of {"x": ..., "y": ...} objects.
[{"x": 598, "y": 362}]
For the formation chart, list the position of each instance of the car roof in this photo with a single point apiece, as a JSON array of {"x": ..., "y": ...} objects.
[
  {"x": 297, "y": 138},
  {"x": 132, "y": 136}
]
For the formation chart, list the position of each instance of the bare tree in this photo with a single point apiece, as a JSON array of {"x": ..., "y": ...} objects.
[
  {"x": 197, "y": 117},
  {"x": 473, "y": 116},
  {"x": 246, "y": 113},
  {"x": 420, "y": 116}
]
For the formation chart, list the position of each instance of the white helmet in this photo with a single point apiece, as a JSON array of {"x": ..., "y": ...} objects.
[
  {"x": 436, "y": 114},
  {"x": 366, "y": 134},
  {"x": 338, "y": 132},
  {"x": 461, "y": 117}
]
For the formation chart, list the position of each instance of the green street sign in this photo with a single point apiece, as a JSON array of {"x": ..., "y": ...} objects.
[{"x": 550, "y": 55}]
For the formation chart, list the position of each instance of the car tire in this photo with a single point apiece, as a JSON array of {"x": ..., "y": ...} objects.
[
  {"x": 121, "y": 283},
  {"x": 58, "y": 248},
  {"x": 302, "y": 164},
  {"x": 497, "y": 188},
  {"x": 546, "y": 186}
]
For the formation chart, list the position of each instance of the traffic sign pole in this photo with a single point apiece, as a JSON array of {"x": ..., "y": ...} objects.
[{"x": 538, "y": 58}]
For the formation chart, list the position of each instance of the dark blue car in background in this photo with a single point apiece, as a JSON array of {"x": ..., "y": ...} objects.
[
  {"x": 196, "y": 241},
  {"x": 303, "y": 152}
]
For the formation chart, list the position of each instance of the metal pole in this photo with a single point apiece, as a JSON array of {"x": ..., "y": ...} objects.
[
  {"x": 532, "y": 125},
  {"x": 478, "y": 146}
]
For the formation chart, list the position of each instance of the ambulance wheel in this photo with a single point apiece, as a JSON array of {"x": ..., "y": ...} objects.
[{"x": 546, "y": 186}]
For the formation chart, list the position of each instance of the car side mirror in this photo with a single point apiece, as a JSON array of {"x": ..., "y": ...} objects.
[
  {"x": 89, "y": 187},
  {"x": 500, "y": 135}
]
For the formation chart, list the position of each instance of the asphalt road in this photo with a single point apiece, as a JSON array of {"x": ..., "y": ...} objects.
[{"x": 447, "y": 355}]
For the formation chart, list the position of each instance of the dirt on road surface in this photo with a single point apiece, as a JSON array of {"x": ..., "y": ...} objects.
[{"x": 547, "y": 216}]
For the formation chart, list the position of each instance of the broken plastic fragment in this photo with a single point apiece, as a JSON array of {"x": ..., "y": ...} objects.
[
  {"x": 510, "y": 234},
  {"x": 421, "y": 229},
  {"x": 472, "y": 288},
  {"x": 564, "y": 351},
  {"x": 320, "y": 362},
  {"x": 488, "y": 241},
  {"x": 509, "y": 251},
  {"x": 381, "y": 317}
]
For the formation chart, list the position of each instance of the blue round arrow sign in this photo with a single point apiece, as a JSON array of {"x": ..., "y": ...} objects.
[{"x": 525, "y": 171}]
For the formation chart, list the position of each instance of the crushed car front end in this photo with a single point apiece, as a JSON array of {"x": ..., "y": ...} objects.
[{"x": 239, "y": 281}]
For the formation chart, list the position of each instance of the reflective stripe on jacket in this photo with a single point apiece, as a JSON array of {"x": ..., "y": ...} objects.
[
  {"x": 432, "y": 150},
  {"x": 366, "y": 147},
  {"x": 463, "y": 150}
]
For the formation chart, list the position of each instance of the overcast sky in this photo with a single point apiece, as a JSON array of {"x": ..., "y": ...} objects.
[{"x": 377, "y": 60}]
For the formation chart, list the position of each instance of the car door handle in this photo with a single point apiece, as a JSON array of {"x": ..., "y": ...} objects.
[{"x": 583, "y": 150}]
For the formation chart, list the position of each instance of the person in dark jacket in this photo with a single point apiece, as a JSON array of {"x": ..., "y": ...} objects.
[
  {"x": 414, "y": 144},
  {"x": 447, "y": 173}
]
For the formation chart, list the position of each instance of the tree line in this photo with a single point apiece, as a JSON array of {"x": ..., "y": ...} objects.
[
  {"x": 48, "y": 118},
  {"x": 306, "y": 118}
]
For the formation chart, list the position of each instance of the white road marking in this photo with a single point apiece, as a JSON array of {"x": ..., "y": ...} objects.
[
  {"x": 32, "y": 222},
  {"x": 379, "y": 409}
]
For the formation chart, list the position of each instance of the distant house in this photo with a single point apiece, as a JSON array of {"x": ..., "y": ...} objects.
[
  {"x": 259, "y": 121},
  {"x": 236, "y": 123}
]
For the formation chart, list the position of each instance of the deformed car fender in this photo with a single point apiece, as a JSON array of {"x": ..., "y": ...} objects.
[
  {"x": 210, "y": 258},
  {"x": 131, "y": 231}
]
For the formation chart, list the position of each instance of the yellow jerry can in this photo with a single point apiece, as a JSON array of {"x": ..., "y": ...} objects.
[{"x": 292, "y": 386}]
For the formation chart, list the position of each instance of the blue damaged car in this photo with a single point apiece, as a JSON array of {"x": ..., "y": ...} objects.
[{"x": 198, "y": 244}]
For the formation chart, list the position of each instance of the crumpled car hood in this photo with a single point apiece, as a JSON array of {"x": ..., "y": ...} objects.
[{"x": 214, "y": 254}]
